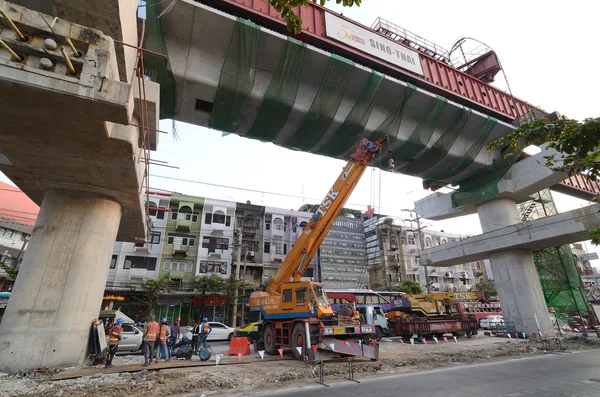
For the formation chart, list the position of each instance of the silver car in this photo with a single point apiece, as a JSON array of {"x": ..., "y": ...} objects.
[{"x": 131, "y": 339}]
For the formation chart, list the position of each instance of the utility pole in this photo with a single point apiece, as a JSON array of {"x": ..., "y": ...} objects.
[
  {"x": 238, "y": 259},
  {"x": 420, "y": 246}
]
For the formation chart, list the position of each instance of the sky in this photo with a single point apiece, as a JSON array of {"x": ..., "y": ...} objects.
[{"x": 547, "y": 50}]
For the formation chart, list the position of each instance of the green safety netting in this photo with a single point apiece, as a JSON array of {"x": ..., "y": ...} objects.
[
  {"x": 158, "y": 69},
  {"x": 354, "y": 125},
  {"x": 237, "y": 77},
  {"x": 325, "y": 105},
  {"x": 281, "y": 93},
  {"x": 484, "y": 184},
  {"x": 441, "y": 147},
  {"x": 418, "y": 139},
  {"x": 556, "y": 267},
  {"x": 466, "y": 160},
  {"x": 391, "y": 125}
]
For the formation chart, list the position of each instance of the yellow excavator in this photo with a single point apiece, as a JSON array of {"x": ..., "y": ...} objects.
[{"x": 296, "y": 314}]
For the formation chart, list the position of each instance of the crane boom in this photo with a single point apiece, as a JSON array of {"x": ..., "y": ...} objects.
[{"x": 315, "y": 232}]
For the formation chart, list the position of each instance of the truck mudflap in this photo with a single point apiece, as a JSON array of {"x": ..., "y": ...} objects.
[{"x": 350, "y": 348}]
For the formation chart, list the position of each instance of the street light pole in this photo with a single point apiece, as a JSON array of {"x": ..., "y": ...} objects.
[
  {"x": 238, "y": 259},
  {"x": 420, "y": 247}
]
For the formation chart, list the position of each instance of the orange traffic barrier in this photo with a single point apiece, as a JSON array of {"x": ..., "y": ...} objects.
[{"x": 239, "y": 346}]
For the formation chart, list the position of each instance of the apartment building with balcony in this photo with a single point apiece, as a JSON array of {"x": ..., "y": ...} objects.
[
  {"x": 281, "y": 230},
  {"x": 217, "y": 238},
  {"x": 250, "y": 223}
]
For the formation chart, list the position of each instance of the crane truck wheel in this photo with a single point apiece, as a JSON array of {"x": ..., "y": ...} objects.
[
  {"x": 299, "y": 340},
  {"x": 378, "y": 333},
  {"x": 268, "y": 338}
]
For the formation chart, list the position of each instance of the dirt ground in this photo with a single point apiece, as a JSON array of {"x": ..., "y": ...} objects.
[{"x": 260, "y": 376}]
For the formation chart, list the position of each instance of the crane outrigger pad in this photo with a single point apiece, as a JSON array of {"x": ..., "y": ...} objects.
[{"x": 350, "y": 347}]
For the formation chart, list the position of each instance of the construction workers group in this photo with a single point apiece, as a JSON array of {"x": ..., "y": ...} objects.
[{"x": 158, "y": 339}]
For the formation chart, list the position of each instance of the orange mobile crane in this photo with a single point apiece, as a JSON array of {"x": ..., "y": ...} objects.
[{"x": 296, "y": 314}]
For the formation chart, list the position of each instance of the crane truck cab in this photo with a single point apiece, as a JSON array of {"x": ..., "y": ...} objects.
[
  {"x": 375, "y": 315},
  {"x": 301, "y": 299}
]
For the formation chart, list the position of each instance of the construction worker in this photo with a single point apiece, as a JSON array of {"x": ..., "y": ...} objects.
[
  {"x": 174, "y": 338},
  {"x": 151, "y": 331},
  {"x": 205, "y": 330},
  {"x": 113, "y": 341},
  {"x": 161, "y": 342}
]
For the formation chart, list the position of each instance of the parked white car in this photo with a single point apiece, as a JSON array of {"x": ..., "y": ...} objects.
[
  {"x": 220, "y": 331},
  {"x": 490, "y": 322}
]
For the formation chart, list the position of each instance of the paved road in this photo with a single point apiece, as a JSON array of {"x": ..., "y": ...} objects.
[{"x": 549, "y": 375}]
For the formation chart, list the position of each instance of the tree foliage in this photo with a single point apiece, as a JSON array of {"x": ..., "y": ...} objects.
[
  {"x": 205, "y": 284},
  {"x": 410, "y": 287},
  {"x": 487, "y": 288},
  {"x": 152, "y": 291},
  {"x": 577, "y": 142},
  {"x": 293, "y": 21},
  {"x": 9, "y": 274}
]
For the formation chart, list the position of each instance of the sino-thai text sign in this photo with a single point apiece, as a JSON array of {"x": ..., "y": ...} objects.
[{"x": 371, "y": 43}]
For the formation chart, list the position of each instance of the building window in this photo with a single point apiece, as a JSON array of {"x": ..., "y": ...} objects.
[
  {"x": 411, "y": 240},
  {"x": 195, "y": 217},
  {"x": 239, "y": 221},
  {"x": 172, "y": 265},
  {"x": 219, "y": 217},
  {"x": 285, "y": 227},
  {"x": 174, "y": 216},
  {"x": 267, "y": 225},
  {"x": 284, "y": 249},
  {"x": 228, "y": 220},
  {"x": 152, "y": 209},
  {"x": 9, "y": 233},
  {"x": 113, "y": 261},
  {"x": 155, "y": 238},
  {"x": 170, "y": 240},
  {"x": 160, "y": 214},
  {"x": 278, "y": 224},
  {"x": 267, "y": 247},
  {"x": 214, "y": 243},
  {"x": 139, "y": 262},
  {"x": 427, "y": 242}
]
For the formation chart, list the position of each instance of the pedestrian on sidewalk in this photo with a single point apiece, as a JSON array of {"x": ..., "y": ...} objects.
[
  {"x": 151, "y": 330},
  {"x": 161, "y": 343},
  {"x": 113, "y": 341}
]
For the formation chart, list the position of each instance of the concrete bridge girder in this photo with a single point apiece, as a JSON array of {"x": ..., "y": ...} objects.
[{"x": 197, "y": 39}]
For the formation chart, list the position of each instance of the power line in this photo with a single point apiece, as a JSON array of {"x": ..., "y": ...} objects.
[{"x": 250, "y": 190}]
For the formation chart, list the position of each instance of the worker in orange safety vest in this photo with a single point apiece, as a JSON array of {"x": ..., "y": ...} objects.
[
  {"x": 205, "y": 330},
  {"x": 151, "y": 331},
  {"x": 161, "y": 342},
  {"x": 114, "y": 337}
]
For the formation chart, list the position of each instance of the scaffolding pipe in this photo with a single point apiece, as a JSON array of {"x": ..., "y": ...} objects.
[
  {"x": 14, "y": 54},
  {"x": 12, "y": 25}
]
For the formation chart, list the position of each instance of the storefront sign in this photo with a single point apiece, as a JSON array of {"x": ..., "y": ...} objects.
[
  {"x": 372, "y": 43},
  {"x": 211, "y": 300},
  {"x": 589, "y": 257},
  {"x": 118, "y": 298}
]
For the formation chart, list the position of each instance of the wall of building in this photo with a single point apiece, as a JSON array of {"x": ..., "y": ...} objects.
[
  {"x": 217, "y": 237},
  {"x": 342, "y": 255}
]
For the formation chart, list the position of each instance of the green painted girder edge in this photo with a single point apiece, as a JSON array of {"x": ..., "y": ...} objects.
[
  {"x": 354, "y": 125},
  {"x": 418, "y": 139},
  {"x": 441, "y": 147},
  {"x": 391, "y": 125},
  {"x": 158, "y": 69},
  {"x": 281, "y": 93},
  {"x": 467, "y": 159},
  {"x": 237, "y": 77},
  {"x": 324, "y": 106}
]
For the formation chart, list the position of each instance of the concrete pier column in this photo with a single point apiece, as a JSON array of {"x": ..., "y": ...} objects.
[
  {"x": 515, "y": 276},
  {"x": 61, "y": 281}
]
